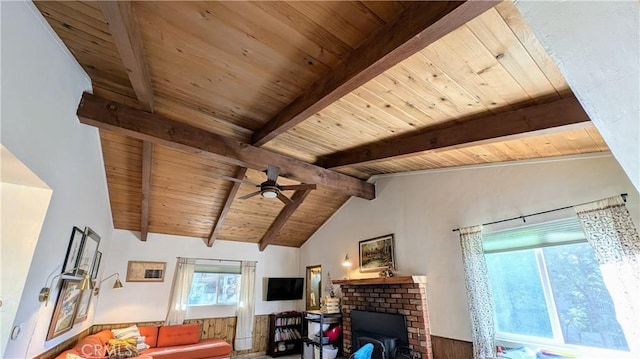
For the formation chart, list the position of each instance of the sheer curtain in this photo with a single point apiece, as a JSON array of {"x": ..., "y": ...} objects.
[
  {"x": 245, "y": 311},
  {"x": 610, "y": 231},
  {"x": 478, "y": 292},
  {"x": 180, "y": 291}
]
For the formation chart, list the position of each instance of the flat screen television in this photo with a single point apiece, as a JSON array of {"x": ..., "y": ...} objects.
[{"x": 284, "y": 288}]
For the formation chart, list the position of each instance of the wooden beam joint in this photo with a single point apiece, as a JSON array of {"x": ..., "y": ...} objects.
[
  {"x": 286, "y": 212},
  {"x": 227, "y": 206},
  {"x": 128, "y": 121},
  {"x": 123, "y": 26},
  {"x": 420, "y": 24}
]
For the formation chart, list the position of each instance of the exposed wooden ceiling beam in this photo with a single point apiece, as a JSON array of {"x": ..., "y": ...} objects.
[
  {"x": 286, "y": 212},
  {"x": 560, "y": 115},
  {"x": 420, "y": 24},
  {"x": 147, "y": 156},
  {"x": 122, "y": 119},
  {"x": 128, "y": 40},
  {"x": 227, "y": 205}
]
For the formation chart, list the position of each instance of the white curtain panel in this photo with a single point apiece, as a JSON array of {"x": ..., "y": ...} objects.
[
  {"x": 610, "y": 231},
  {"x": 180, "y": 291},
  {"x": 478, "y": 292},
  {"x": 245, "y": 311}
]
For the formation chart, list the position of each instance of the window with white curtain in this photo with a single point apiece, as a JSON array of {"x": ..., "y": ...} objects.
[
  {"x": 548, "y": 291},
  {"x": 215, "y": 284}
]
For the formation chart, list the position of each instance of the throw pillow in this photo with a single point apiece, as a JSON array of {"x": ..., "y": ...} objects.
[
  {"x": 141, "y": 344},
  {"x": 128, "y": 332},
  {"x": 122, "y": 348}
]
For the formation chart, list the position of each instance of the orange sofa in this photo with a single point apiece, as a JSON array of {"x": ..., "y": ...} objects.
[{"x": 166, "y": 342}]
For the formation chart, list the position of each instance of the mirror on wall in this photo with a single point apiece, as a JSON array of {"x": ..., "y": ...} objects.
[{"x": 314, "y": 290}]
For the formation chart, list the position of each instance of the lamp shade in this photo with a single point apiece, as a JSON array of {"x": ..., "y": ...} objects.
[
  {"x": 117, "y": 284},
  {"x": 346, "y": 262}
]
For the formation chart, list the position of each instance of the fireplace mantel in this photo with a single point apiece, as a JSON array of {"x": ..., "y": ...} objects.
[{"x": 417, "y": 279}]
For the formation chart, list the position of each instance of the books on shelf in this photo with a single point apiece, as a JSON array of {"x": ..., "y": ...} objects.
[
  {"x": 287, "y": 321},
  {"x": 286, "y": 334}
]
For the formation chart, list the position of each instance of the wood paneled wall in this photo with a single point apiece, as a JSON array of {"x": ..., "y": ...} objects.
[
  {"x": 445, "y": 348},
  {"x": 223, "y": 328}
]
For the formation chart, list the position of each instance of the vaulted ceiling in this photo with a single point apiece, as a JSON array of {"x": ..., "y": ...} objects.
[{"x": 188, "y": 94}]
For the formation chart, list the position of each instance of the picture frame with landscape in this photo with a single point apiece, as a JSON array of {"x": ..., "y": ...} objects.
[
  {"x": 377, "y": 254},
  {"x": 83, "y": 306},
  {"x": 66, "y": 307}
]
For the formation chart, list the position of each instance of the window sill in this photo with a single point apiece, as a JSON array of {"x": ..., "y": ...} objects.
[{"x": 571, "y": 351}]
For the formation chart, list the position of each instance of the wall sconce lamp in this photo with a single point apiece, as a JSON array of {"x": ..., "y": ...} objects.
[
  {"x": 347, "y": 264},
  {"x": 116, "y": 285},
  {"x": 45, "y": 292}
]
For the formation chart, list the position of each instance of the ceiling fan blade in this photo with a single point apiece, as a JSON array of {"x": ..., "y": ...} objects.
[
  {"x": 233, "y": 179},
  {"x": 247, "y": 196},
  {"x": 273, "y": 172},
  {"x": 284, "y": 198},
  {"x": 294, "y": 187}
]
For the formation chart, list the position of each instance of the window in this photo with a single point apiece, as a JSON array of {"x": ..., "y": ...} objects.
[
  {"x": 215, "y": 285},
  {"x": 547, "y": 288}
]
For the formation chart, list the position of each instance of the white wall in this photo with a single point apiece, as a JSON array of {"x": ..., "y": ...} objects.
[
  {"x": 139, "y": 302},
  {"x": 24, "y": 200},
  {"x": 596, "y": 46},
  {"x": 422, "y": 209},
  {"x": 41, "y": 88}
]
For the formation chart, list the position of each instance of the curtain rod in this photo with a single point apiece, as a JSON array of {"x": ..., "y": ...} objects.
[
  {"x": 523, "y": 218},
  {"x": 216, "y": 259}
]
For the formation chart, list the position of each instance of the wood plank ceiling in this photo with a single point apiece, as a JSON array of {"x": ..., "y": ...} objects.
[{"x": 307, "y": 83}]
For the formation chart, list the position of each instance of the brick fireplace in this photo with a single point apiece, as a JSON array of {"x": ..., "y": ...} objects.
[{"x": 404, "y": 295}]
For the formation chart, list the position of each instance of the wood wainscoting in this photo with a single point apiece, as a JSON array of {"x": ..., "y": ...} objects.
[{"x": 445, "y": 348}]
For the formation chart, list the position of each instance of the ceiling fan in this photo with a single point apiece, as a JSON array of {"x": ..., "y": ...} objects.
[{"x": 270, "y": 188}]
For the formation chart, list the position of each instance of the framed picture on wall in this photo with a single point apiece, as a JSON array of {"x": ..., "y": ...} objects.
[
  {"x": 73, "y": 251},
  {"x": 96, "y": 265},
  {"x": 88, "y": 252},
  {"x": 143, "y": 271},
  {"x": 376, "y": 254},
  {"x": 314, "y": 287},
  {"x": 66, "y": 307},
  {"x": 83, "y": 306}
]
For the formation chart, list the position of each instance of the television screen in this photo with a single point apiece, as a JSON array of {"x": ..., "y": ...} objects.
[{"x": 284, "y": 288}]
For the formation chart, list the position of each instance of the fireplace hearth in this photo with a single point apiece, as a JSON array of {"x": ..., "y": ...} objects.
[{"x": 401, "y": 300}]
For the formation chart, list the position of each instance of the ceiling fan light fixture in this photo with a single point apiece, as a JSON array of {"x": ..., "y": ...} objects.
[{"x": 269, "y": 193}]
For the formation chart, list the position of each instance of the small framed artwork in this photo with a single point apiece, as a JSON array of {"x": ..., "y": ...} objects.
[
  {"x": 66, "y": 308},
  {"x": 376, "y": 254},
  {"x": 88, "y": 252},
  {"x": 314, "y": 287},
  {"x": 83, "y": 306},
  {"x": 73, "y": 251},
  {"x": 96, "y": 265},
  {"x": 141, "y": 271}
]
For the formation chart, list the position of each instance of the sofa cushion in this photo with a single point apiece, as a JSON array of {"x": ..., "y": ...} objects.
[
  {"x": 150, "y": 335},
  {"x": 207, "y": 348},
  {"x": 171, "y": 335},
  {"x": 94, "y": 345}
]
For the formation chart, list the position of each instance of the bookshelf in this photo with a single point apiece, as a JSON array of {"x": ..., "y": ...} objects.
[{"x": 285, "y": 334}]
